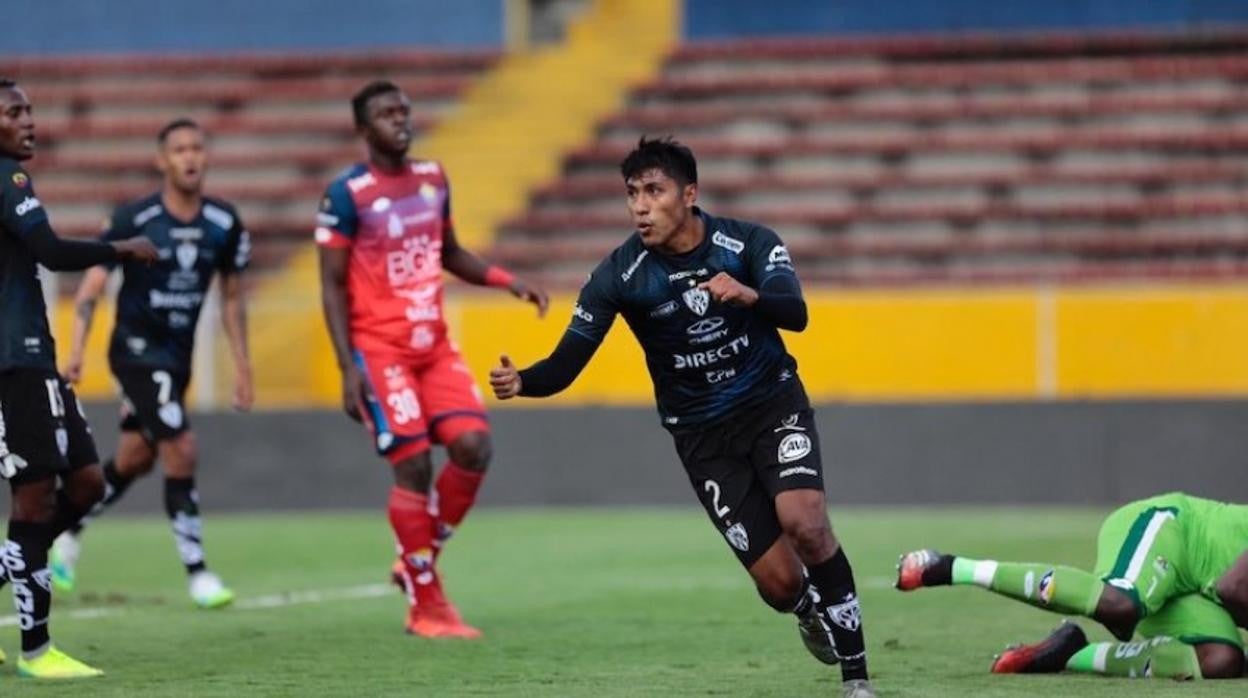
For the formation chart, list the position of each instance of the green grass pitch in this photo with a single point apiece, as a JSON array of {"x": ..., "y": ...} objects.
[{"x": 598, "y": 603}]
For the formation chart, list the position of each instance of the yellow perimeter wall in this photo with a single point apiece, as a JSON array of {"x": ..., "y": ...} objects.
[{"x": 957, "y": 344}]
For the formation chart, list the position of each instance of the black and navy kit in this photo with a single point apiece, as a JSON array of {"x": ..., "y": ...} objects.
[
  {"x": 159, "y": 304},
  {"x": 25, "y": 341},
  {"x": 43, "y": 432},
  {"x": 706, "y": 359}
]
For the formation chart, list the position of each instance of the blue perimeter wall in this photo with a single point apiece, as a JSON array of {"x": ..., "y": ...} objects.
[
  {"x": 190, "y": 26},
  {"x": 711, "y": 19}
]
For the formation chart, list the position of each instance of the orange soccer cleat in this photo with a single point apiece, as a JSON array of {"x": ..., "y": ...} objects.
[{"x": 438, "y": 621}]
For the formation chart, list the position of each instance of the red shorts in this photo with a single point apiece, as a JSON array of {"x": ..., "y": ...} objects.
[{"x": 416, "y": 404}]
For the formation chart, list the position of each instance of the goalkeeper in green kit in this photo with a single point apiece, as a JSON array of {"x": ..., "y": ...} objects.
[{"x": 1172, "y": 568}]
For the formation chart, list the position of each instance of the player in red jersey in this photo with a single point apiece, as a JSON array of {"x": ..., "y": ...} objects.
[{"x": 385, "y": 235}]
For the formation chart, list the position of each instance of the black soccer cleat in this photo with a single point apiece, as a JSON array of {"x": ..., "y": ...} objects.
[
  {"x": 817, "y": 637},
  {"x": 1048, "y": 656}
]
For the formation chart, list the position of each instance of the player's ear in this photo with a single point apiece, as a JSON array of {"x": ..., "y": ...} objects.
[{"x": 690, "y": 195}]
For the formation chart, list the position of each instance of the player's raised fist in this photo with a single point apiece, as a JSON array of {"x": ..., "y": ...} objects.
[
  {"x": 725, "y": 289},
  {"x": 137, "y": 248},
  {"x": 505, "y": 379}
]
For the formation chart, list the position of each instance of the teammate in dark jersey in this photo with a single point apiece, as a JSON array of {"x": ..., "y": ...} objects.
[
  {"x": 44, "y": 436},
  {"x": 150, "y": 353},
  {"x": 705, "y": 297}
]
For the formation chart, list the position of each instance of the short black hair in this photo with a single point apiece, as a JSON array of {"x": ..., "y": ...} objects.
[
  {"x": 180, "y": 122},
  {"x": 667, "y": 155},
  {"x": 7, "y": 82},
  {"x": 359, "y": 103}
]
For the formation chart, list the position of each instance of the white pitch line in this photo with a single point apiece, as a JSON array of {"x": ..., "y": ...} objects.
[{"x": 251, "y": 603}]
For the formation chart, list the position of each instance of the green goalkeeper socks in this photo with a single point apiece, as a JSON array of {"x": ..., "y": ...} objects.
[
  {"x": 1160, "y": 657},
  {"x": 1051, "y": 587}
]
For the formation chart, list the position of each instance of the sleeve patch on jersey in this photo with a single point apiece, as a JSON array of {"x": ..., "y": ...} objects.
[
  {"x": 219, "y": 217},
  {"x": 20, "y": 180},
  {"x": 731, "y": 244},
  {"x": 28, "y": 204},
  {"x": 243, "y": 255},
  {"x": 779, "y": 255},
  {"x": 142, "y": 217},
  {"x": 632, "y": 268},
  {"x": 327, "y": 220}
]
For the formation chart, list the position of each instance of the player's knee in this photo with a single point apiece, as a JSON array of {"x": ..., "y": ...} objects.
[
  {"x": 34, "y": 502},
  {"x": 85, "y": 487},
  {"x": 471, "y": 451},
  {"x": 781, "y": 591},
  {"x": 1117, "y": 611},
  {"x": 180, "y": 454},
  {"x": 1218, "y": 661},
  {"x": 414, "y": 472}
]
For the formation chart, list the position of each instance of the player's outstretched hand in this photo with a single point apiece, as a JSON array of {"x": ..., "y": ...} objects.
[
  {"x": 138, "y": 248},
  {"x": 244, "y": 390},
  {"x": 354, "y": 394},
  {"x": 725, "y": 289},
  {"x": 505, "y": 380},
  {"x": 531, "y": 294}
]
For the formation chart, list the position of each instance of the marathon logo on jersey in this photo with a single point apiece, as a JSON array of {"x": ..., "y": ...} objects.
[
  {"x": 798, "y": 470},
  {"x": 20, "y": 180},
  {"x": 688, "y": 273},
  {"x": 28, "y": 204},
  {"x": 738, "y": 537},
  {"x": 710, "y": 357},
  {"x": 578, "y": 311},
  {"x": 632, "y": 268},
  {"x": 793, "y": 447},
  {"x": 847, "y": 615},
  {"x": 733, "y": 245},
  {"x": 668, "y": 308},
  {"x": 697, "y": 299},
  {"x": 364, "y": 181},
  {"x": 161, "y": 300}
]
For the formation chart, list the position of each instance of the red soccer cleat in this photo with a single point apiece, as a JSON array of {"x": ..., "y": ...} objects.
[
  {"x": 911, "y": 566},
  {"x": 439, "y": 621},
  {"x": 1045, "y": 657}
]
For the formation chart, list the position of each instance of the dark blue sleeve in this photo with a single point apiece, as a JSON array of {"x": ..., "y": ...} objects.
[
  {"x": 237, "y": 247},
  {"x": 119, "y": 226},
  {"x": 20, "y": 208},
  {"x": 597, "y": 304},
  {"x": 337, "y": 219},
  {"x": 780, "y": 299}
]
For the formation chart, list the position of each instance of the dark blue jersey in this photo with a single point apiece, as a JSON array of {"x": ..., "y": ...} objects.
[
  {"x": 25, "y": 340},
  {"x": 158, "y": 305},
  {"x": 706, "y": 359}
]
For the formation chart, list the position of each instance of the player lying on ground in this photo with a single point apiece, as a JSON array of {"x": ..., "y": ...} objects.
[
  {"x": 44, "y": 435},
  {"x": 158, "y": 309},
  {"x": 706, "y": 298},
  {"x": 1148, "y": 554},
  {"x": 385, "y": 235}
]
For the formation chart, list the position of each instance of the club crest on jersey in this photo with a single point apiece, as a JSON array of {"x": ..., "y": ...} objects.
[
  {"x": 187, "y": 253},
  {"x": 20, "y": 180},
  {"x": 62, "y": 442},
  {"x": 738, "y": 537},
  {"x": 171, "y": 414},
  {"x": 698, "y": 300},
  {"x": 429, "y": 193}
]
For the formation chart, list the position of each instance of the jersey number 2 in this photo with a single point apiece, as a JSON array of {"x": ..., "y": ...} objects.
[{"x": 713, "y": 487}]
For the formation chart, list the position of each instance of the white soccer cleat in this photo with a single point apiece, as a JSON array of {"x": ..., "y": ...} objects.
[
  {"x": 207, "y": 590},
  {"x": 858, "y": 688}
]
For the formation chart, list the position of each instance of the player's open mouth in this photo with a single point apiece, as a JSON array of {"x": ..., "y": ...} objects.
[
  {"x": 28, "y": 141},
  {"x": 644, "y": 228}
]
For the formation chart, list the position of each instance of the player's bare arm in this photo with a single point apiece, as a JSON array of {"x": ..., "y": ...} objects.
[
  {"x": 334, "y": 305},
  {"x": 89, "y": 291},
  {"x": 1232, "y": 590},
  {"x": 234, "y": 320},
  {"x": 476, "y": 271}
]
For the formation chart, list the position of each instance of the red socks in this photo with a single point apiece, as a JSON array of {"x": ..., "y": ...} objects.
[
  {"x": 413, "y": 527},
  {"x": 456, "y": 491}
]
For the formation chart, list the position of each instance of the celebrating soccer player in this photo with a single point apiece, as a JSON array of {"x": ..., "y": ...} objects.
[
  {"x": 1172, "y": 566},
  {"x": 43, "y": 433},
  {"x": 150, "y": 352},
  {"x": 385, "y": 235},
  {"x": 706, "y": 298}
]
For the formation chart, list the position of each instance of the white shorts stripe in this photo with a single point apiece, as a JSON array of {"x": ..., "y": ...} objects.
[{"x": 1146, "y": 542}]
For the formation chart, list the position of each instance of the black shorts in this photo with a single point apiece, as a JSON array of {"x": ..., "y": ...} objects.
[
  {"x": 43, "y": 431},
  {"x": 737, "y": 467},
  {"x": 153, "y": 401}
]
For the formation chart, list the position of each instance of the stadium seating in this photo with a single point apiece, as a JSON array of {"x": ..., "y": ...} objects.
[
  {"x": 921, "y": 159},
  {"x": 280, "y": 127}
]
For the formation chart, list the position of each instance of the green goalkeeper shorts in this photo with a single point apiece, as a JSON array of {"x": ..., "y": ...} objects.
[
  {"x": 1192, "y": 619},
  {"x": 1140, "y": 551}
]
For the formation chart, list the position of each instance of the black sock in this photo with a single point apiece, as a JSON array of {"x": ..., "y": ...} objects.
[
  {"x": 115, "y": 485},
  {"x": 939, "y": 573},
  {"x": 805, "y": 602},
  {"x": 838, "y": 602},
  {"x": 25, "y": 556},
  {"x": 182, "y": 506}
]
